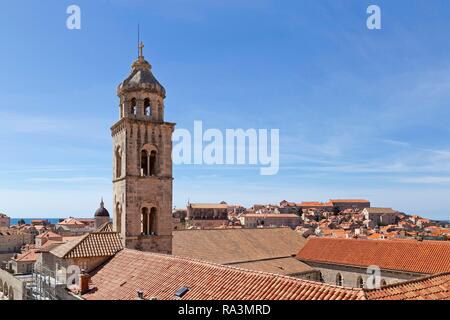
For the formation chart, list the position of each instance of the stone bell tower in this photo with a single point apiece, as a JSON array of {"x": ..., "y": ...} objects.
[{"x": 142, "y": 165}]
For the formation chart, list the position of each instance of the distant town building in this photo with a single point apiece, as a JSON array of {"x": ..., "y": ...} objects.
[
  {"x": 5, "y": 221},
  {"x": 71, "y": 227},
  {"x": 357, "y": 204},
  {"x": 179, "y": 219},
  {"x": 325, "y": 206},
  {"x": 261, "y": 220},
  {"x": 23, "y": 263},
  {"x": 207, "y": 215},
  {"x": 11, "y": 242},
  {"x": 380, "y": 216},
  {"x": 42, "y": 239}
]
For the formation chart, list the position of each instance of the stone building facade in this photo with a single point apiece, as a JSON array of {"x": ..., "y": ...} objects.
[
  {"x": 207, "y": 215},
  {"x": 355, "y": 204},
  {"x": 357, "y": 277},
  {"x": 380, "y": 216},
  {"x": 142, "y": 165},
  {"x": 5, "y": 221},
  {"x": 255, "y": 220},
  {"x": 355, "y": 262},
  {"x": 11, "y": 241}
]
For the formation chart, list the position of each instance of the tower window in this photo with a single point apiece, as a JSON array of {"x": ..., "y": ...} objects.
[
  {"x": 144, "y": 222},
  {"x": 118, "y": 218},
  {"x": 147, "y": 108},
  {"x": 153, "y": 163},
  {"x": 321, "y": 279},
  {"x": 148, "y": 222},
  {"x": 339, "y": 280},
  {"x": 149, "y": 161},
  {"x": 152, "y": 219},
  {"x": 360, "y": 282},
  {"x": 133, "y": 107},
  {"x": 144, "y": 163},
  {"x": 118, "y": 162}
]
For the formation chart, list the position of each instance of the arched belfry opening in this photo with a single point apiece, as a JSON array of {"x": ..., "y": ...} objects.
[
  {"x": 118, "y": 221},
  {"x": 133, "y": 106},
  {"x": 152, "y": 165},
  {"x": 153, "y": 221},
  {"x": 149, "y": 161},
  {"x": 118, "y": 156},
  {"x": 144, "y": 163},
  {"x": 144, "y": 222},
  {"x": 147, "y": 108},
  {"x": 149, "y": 222},
  {"x": 339, "y": 280}
]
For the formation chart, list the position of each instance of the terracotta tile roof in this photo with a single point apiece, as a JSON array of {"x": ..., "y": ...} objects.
[
  {"x": 427, "y": 257},
  {"x": 337, "y": 233},
  {"x": 349, "y": 201},
  {"x": 29, "y": 256},
  {"x": 208, "y": 206},
  {"x": 71, "y": 222},
  {"x": 375, "y": 235},
  {"x": 315, "y": 204},
  {"x": 237, "y": 245},
  {"x": 95, "y": 244},
  {"x": 381, "y": 210},
  {"x": 284, "y": 266},
  {"x": 49, "y": 235},
  {"x": 106, "y": 227},
  {"x": 435, "y": 287},
  {"x": 271, "y": 215},
  {"x": 160, "y": 276},
  {"x": 49, "y": 245}
]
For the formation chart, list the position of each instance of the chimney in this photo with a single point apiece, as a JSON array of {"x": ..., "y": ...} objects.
[
  {"x": 84, "y": 281},
  {"x": 140, "y": 295}
]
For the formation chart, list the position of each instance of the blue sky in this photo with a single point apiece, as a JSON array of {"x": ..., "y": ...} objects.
[{"x": 362, "y": 114}]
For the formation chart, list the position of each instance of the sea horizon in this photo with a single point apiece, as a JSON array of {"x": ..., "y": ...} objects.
[{"x": 14, "y": 221}]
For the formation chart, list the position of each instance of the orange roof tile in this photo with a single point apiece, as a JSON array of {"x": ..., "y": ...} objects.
[
  {"x": 95, "y": 244},
  {"x": 71, "y": 221},
  {"x": 349, "y": 201},
  {"x": 208, "y": 206},
  {"x": 427, "y": 257},
  {"x": 49, "y": 235},
  {"x": 227, "y": 245},
  {"x": 271, "y": 215},
  {"x": 315, "y": 204},
  {"x": 29, "y": 256},
  {"x": 435, "y": 287},
  {"x": 160, "y": 276}
]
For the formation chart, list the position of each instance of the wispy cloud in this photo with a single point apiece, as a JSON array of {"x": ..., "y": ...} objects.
[{"x": 425, "y": 180}]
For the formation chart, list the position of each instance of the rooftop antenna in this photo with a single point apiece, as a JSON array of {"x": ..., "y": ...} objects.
[{"x": 139, "y": 38}]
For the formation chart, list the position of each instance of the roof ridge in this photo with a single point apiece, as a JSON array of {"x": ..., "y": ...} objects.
[
  {"x": 386, "y": 240},
  {"x": 76, "y": 242},
  {"x": 232, "y": 229}
]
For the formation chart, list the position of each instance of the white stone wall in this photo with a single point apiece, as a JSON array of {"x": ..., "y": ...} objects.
[
  {"x": 350, "y": 275},
  {"x": 13, "y": 242}
]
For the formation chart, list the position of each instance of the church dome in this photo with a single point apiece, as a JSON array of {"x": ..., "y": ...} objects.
[
  {"x": 101, "y": 212},
  {"x": 141, "y": 78}
]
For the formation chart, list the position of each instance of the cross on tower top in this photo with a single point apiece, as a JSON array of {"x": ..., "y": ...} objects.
[{"x": 141, "y": 48}]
